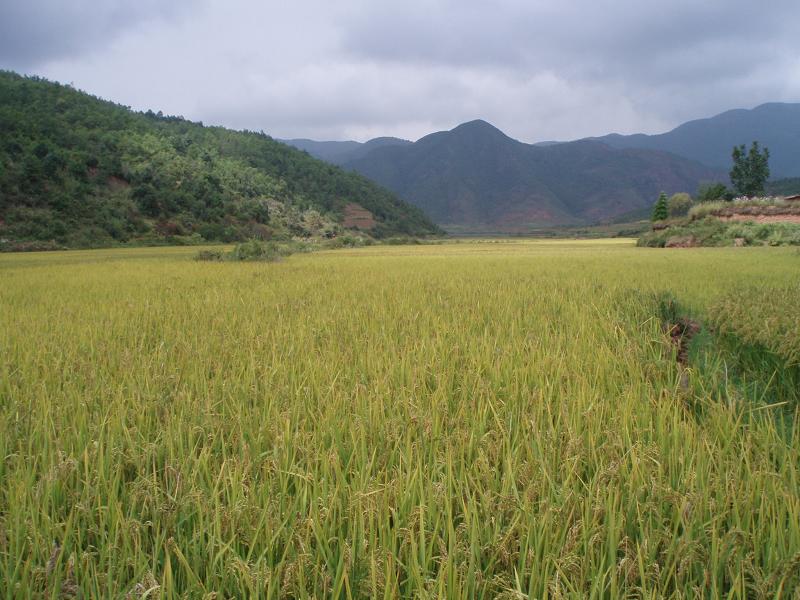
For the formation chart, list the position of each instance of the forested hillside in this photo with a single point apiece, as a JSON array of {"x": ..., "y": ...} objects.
[{"x": 79, "y": 171}]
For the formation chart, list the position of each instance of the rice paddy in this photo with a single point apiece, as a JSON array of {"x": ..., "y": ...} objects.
[{"x": 467, "y": 420}]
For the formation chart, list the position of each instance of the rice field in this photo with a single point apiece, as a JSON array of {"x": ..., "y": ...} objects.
[{"x": 468, "y": 420}]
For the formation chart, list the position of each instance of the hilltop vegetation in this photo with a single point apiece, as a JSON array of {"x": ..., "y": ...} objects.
[
  {"x": 761, "y": 221},
  {"x": 80, "y": 171}
]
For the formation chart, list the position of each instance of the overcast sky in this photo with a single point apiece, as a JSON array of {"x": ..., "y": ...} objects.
[{"x": 356, "y": 69}]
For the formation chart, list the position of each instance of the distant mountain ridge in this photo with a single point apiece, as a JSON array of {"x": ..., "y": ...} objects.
[
  {"x": 710, "y": 141},
  {"x": 331, "y": 152},
  {"x": 488, "y": 180},
  {"x": 476, "y": 178},
  {"x": 340, "y": 153}
]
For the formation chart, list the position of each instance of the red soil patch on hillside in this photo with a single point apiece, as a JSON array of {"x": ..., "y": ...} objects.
[{"x": 358, "y": 217}]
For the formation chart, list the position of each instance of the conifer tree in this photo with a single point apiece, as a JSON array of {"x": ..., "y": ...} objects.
[{"x": 660, "y": 210}]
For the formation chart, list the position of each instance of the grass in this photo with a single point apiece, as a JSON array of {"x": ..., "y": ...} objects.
[
  {"x": 743, "y": 206},
  {"x": 461, "y": 420},
  {"x": 705, "y": 225},
  {"x": 714, "y": 232}
]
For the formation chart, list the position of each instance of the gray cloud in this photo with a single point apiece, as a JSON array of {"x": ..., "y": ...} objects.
[
  {"x": 35, "y": 30},
  {"x": 358, "y": 68},
  {"x": 582, "y": 38}
]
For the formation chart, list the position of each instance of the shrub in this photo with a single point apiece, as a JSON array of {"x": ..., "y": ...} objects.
[
  {"x": 258, "y": 250},
  {"x": 168, "y": 228},
  {"x": 211, "y": 255},
  {"x": 711, "y": 192},
  {"x": 679, "y": 204},
  {"x": 219, "y": 232},
  {"x": 29, "y": 246},
  {"x": 348, "y": 241},
  {"x": 251, "y": 250},
  {"x": 351, "y": 241},
  {"x": 704, "y": 209}
]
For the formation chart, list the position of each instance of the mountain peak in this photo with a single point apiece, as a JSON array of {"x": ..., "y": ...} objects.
[
  {"x": 386, "y": 141},
  {"x": 792, "y": 107},
  {"x": 478, "y": 126}
]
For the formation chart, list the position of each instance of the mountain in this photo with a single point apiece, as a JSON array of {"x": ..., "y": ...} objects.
[
  {"x": 80, "y": 171},
  {"x": 784, "y": 187},
  {"x": 340, "y": 153},
  {"x": 332, "y": 152},
  {"x": 710, "y": 141},
  {"x": 476, "y": 178}
]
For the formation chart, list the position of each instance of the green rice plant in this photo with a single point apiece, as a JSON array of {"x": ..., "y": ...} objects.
[
  {"x": 470, "y": 420},
  {"x": 768, "y": 316}
]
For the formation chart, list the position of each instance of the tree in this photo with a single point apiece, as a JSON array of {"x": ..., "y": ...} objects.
[
  {"x": 660, "y": 210},
  {"x": 709, "y": 192},
  {"x": 750, "y": 170},
  {"x": 679, "y": 204}
]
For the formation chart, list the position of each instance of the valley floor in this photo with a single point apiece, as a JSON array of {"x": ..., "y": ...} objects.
[{"x": 482, "y": 418}]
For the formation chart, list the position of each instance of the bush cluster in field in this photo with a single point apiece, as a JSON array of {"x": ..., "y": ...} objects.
[
  {"x": 475, "y": 420},
  {"x": 251, "y": 250}
]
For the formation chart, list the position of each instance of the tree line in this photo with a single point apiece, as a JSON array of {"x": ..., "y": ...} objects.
[{"x": 749, "y": 175}]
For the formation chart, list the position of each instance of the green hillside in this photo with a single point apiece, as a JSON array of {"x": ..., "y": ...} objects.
[{"x": 79, "y": 171}]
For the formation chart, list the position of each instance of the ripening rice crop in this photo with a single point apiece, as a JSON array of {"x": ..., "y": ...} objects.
[
  {"x": 768, "y": 316},
  {"x": 468, "y": 420}
]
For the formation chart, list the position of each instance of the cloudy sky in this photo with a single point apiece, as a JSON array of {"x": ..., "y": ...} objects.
[{"x": 355, "y": 69}]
